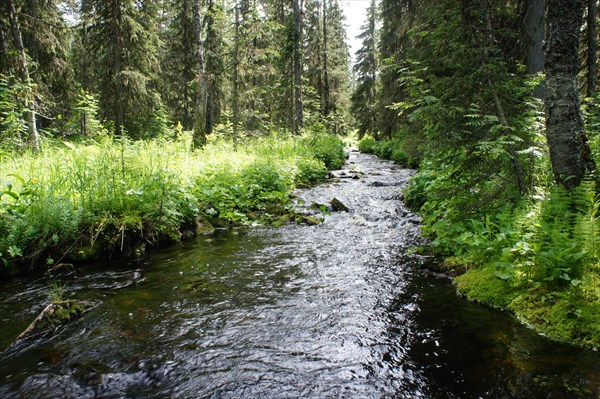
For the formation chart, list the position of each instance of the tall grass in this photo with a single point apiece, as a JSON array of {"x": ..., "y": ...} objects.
[{"x": 84, "y": 199}]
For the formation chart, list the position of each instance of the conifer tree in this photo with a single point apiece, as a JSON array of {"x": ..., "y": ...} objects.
[
  {"x": 122, "y": 38},
  {"x": 24, "y": 74},
  {"x": 337, "y": 68},
  {"x": 397, "y": 17},
  {"x": 180, "y": 64},
  {"x": 365, "y": 93}
]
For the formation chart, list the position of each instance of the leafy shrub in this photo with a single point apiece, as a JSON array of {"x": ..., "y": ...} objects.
[
  {"x": 367, "y": 145},
  {"x": 266, "y": 181},
  {"x": 388, "y": 149},
  {"x": 310, "y": 171},
  {"x": 330, "y": 150}
]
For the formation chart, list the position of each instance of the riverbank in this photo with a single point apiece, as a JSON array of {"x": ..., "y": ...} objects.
[
  {"x": 538, "y": 258},
  {"x": 110, "y": 197},
  {"x": 335, "y": 310}
]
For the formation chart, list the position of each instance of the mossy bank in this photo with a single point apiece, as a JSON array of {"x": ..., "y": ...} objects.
[{"x": 537, "y": 256}]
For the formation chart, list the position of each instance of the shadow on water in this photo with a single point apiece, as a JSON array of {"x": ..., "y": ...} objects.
[{"x": 339, "y": 310}]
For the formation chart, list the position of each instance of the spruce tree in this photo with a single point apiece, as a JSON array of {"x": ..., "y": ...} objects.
[
  {"x": 338, "y": 69},
  {"x": 365, "y": 93},
  {"x": 122, "y": 37},
  {"x": 396, "y": 17}
]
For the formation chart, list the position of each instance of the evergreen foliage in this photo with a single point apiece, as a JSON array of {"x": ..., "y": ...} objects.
[{"x": 365, "y": 94}]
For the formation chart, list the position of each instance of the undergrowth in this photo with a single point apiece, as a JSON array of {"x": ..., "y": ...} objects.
[
  {"x": 109, "y": 195},
  {"x": 539, "y": 257},
  {"x": 397, "y": 150}
]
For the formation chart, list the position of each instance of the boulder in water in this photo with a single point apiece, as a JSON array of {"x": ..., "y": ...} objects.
[
  {"x": 203, "y": 226},
  {"x": 338, "y": 206}
]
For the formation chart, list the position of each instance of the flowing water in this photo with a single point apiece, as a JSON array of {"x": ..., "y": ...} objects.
[{"x": 339, "y": 310}]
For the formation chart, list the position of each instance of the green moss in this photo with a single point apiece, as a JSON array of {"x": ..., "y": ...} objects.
[
  {"x": 62, "y": 311},
  {"x": 563, "y": 317},
  {"x": 483, "y": 286}
]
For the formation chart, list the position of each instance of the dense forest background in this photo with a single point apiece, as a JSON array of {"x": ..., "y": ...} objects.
[
  {"x": 140, "y": 67},
  {"x": 495, "y": 102}
]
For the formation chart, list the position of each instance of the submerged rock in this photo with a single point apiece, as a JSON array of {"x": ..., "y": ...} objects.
[
  {"x": 60, "y": 269},
  {"x": 310, "y": 220},
  {"x": 203, "y": 226}
]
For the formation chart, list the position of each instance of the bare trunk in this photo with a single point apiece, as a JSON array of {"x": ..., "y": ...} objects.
[
  {"x": 33, "y": 140},
  {"x": 212, "y": 110},
  {"x": 298, "y": 119},
  {"x": 3, "y": 42},
  {"x": 236, "y": 86},
  {"x": 326, "y": 87},
  {"x": 592, "y": 50},
  {"x": 534, "y": 22},
  {"x": 199, "y": 137},
  {"x": 373, "y": 50},
  {"x": 569, "y": 149},
  {"x": 118, "y": 111},
  {"x": 319, "y": 51}
]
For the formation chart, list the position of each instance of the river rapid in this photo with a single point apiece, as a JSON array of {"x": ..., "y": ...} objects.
[{"x": 338, "y": 310}]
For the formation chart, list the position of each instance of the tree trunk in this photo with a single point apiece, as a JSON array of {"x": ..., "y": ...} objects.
[
  {"x": 319, "y": 53},
  {"x": 3, "y": 43},
  {"x": 119, "y": 110},
  {"x": 199, "y": 137},
  {"x": 569, "y": 150},
  {"x": 592, "y": 50},
  {"x": 236, "y": 83},
  {"x": 212, "y": 107},
  {"x": 326, "y": 87},
  {"x": 534, "y": 21},
  {"x": 298, "y": 118},
  {"x": 33, "y": 140},
  {"x": 373, "y": 29},
  {"x": 187, "y": 71}
]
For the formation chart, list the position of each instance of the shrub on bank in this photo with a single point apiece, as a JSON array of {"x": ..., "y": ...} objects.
[
  {"x": 83, "y": 200},
  {"x": 538, "y": 257},
  {"x": 388, "y": 149}
]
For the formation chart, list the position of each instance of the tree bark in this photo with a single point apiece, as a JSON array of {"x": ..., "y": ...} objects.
[
  {"x": 298, "y": 113},
  {"x": 212, "y": 100},
  {"x": 199, "y": 136},
  {"x": 236, "y": 65},
  {"x": 33, "y": 140},
  {"x": 534, "y": 21},
  {"x": 592, "y": 49},
  {"x": 570, "y": 154},
  {"x": 3, "y": 42},
  {"x": 119, "y": 108},
  {"x": 326, "y": 87}
]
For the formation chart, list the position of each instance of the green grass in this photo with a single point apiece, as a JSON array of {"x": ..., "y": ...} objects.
[{"x": 87, "y": 199}]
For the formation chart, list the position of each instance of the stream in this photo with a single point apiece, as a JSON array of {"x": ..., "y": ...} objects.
[{"x": 338, "y": 310}]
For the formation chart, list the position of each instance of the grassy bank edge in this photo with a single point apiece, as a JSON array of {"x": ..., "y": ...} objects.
[{"x": 78, "y": 202}]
